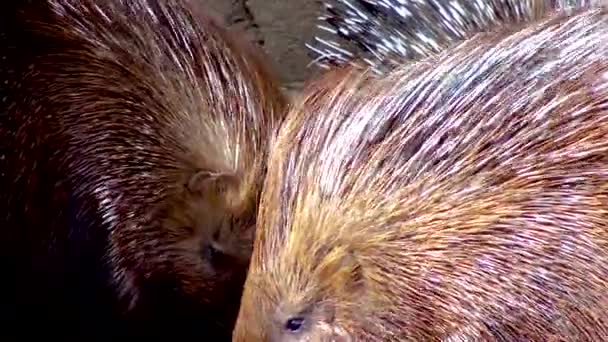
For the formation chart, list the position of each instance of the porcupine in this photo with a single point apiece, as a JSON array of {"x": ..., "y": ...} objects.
[
  {"x": 134, "y": 137},
  {"x": 383, "y": 34},
  {"x": 463, "y": 197}
]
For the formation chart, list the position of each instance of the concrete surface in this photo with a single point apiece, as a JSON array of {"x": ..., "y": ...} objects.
[{"x": 281, "y": 27}]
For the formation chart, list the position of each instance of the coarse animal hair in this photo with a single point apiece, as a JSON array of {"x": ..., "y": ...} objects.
[
  {"x": 385, "y": 33},
  {"x": 134, "y": 138},
  {"x": 463, "y": 197}
]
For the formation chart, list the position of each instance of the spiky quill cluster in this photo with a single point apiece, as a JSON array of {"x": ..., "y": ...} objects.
[{"x": 381, "y": 33}]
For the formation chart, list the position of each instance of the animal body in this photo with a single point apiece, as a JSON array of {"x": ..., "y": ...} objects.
[
  {"x": 134, "y": 136},
  {"x": 386, "y": 33},
  {"x": 463, "y": 197}
]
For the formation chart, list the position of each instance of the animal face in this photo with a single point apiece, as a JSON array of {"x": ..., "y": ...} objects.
[
  {"x": 209, "y": 230},
  {"x": 289, "y": 320},
  {"x": 311, "y": 297}
]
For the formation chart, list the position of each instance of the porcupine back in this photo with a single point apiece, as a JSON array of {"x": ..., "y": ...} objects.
[
  {"x": 462, "y": 197},
  {"x": 109, "y": 108},
  {"x": 385, "y": 33}
]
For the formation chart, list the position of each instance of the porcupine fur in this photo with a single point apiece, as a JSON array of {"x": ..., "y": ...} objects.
[
  {"x": 386, "y": 33},
  {"x": 134, "y": 138},
  {"x": 463, "y": 197}
]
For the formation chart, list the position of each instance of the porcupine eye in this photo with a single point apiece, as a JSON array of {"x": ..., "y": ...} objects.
[
  {"x": 212, "y": 254},
  {"x": 294, "y": 325}
]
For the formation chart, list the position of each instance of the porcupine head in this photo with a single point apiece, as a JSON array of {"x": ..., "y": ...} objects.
[{"x": 460, "y": 198}]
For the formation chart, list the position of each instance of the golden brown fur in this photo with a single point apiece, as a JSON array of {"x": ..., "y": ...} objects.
[
  {"x": 135, "y": 136},
  {"x": 464, "y": 197}
]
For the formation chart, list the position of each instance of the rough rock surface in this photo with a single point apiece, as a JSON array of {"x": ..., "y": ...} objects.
[{"x": 281, "y": 27}]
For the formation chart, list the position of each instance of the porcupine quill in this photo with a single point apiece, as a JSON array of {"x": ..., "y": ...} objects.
[{"x": 382, "y": 33}]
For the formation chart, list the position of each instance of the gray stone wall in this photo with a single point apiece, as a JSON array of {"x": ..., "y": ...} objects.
[{"x": 281, "y": 27}]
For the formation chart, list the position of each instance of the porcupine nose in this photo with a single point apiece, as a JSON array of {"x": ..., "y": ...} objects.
[{"x": 218, "y": 253}]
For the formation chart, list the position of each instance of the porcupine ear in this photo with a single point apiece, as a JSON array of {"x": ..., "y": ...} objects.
[
  {"x": 206, "y": 182},
  {"x": 342, "y": 271}
]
